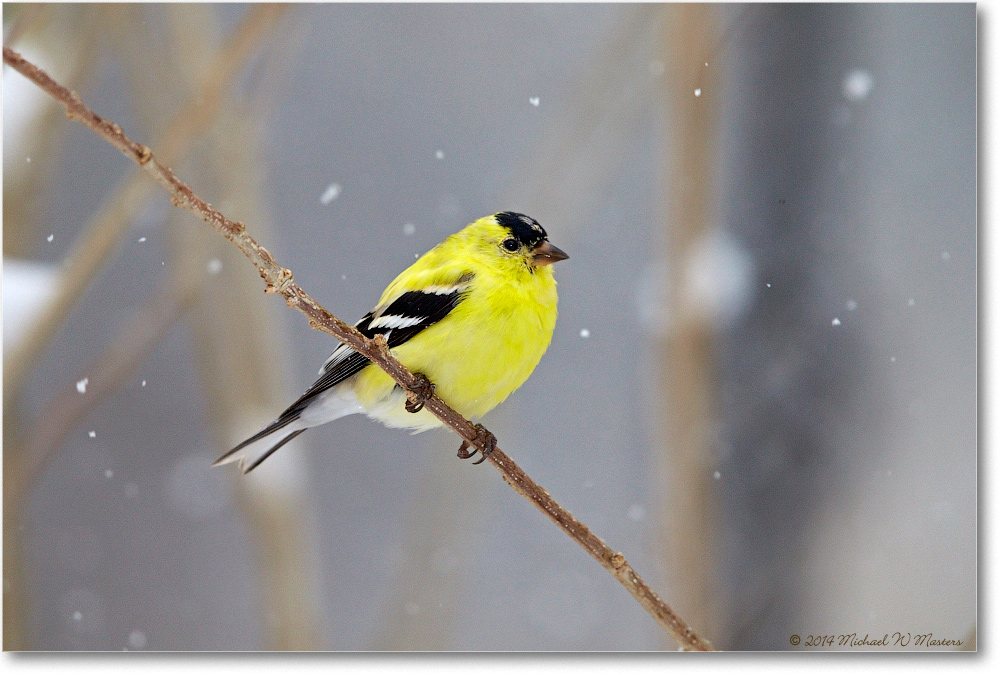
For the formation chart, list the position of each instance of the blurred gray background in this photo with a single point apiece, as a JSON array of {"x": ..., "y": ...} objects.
[{"x": 761, "y": 388}]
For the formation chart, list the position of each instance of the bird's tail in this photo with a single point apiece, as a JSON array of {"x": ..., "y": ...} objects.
[{"x": 254, "y": 450}]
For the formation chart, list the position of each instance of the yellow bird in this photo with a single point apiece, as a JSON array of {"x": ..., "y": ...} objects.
[{"x": 474, "y": 315}]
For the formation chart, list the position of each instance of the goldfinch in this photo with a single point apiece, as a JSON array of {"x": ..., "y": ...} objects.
[{"x": 474, "y": 315}]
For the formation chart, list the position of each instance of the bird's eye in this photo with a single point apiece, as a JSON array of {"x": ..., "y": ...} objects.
[{"x": 511, "y": 245}]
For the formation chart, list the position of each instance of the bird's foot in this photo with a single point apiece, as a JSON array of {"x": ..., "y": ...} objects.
[
  {"x": 484, "y": 439},
  {"x": 423, "y": 389}
]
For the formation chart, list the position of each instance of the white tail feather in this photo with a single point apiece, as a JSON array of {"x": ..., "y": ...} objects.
[{"x": 252, "y": 454}]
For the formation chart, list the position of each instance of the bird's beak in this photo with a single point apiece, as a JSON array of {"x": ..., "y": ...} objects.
[{"x": 546, "y": 254}]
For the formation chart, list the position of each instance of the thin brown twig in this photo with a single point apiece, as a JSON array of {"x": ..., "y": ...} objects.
[{"x": 279, "y": 280}]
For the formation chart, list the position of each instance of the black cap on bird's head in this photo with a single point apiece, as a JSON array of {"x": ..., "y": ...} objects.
[
  {"x": 524, "y": 229},
  {"x": 528, "y": 233}
]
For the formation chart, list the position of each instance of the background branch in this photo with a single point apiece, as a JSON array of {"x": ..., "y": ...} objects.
[
  {"x": 104, "y": 374},
  {"x": 114, "y": 217},
  {"x": 76, "y": 52},
  {"x": 279, "y": 280},
  {"x": 687, "y": 504}
]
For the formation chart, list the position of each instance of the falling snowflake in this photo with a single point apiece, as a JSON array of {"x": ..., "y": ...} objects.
[{"x": 331, "y": 193}]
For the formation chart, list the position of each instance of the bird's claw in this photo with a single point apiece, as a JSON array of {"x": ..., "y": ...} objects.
[
  {"x": 484, "y": 439},
  {"x": 423, "y": 389}
]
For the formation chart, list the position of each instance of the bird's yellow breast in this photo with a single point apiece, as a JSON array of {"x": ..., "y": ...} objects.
[{"x": 484, "y": 349}]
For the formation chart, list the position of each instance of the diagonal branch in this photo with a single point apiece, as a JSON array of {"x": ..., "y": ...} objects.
[{"x": 279, "y": 280}]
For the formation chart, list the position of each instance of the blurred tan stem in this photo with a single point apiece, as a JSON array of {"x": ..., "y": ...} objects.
[
  {"x": 241, "y": 361},
  {"x": 238, "y": 340},
  {"x": 105, "y": 375},
  {"x": 26, "y": 17},
  {"x": 446, "y": 513},
  {"x": 101, "y": 236},
  {"x": 565, "y": 175},
  {"x": 687, "y": 367},
  {"x": 73, "y": 42}
]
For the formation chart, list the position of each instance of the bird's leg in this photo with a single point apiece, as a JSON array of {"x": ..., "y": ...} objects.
[
  {"x": 485, "y": 439},
  {"x": 423, "y": 389}
]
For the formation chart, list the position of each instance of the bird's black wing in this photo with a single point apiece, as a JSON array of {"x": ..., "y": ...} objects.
[
  {"x": 404, "y": 318},
  {"x": 399, "y": 322}
]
